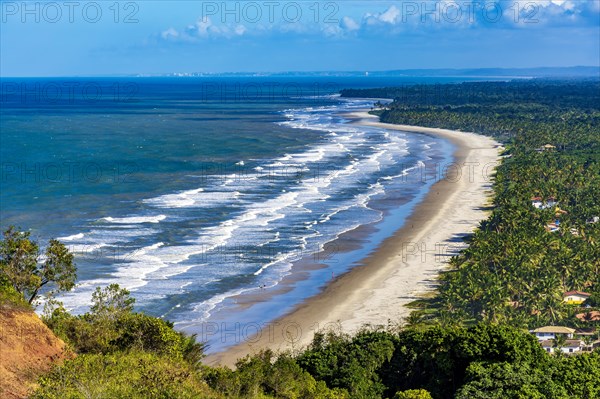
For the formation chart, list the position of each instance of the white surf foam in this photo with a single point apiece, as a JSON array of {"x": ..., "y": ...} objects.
[
  {"x": 73, "y": 237},
  {"x": 308, "y": 181},
  {"x": 135, "y": 219}
]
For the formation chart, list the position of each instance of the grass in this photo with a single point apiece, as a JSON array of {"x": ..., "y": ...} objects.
[{"x": 11, "y": 299}]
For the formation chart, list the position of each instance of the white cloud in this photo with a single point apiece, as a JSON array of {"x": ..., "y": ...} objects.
[
  {"x": 349, "y": 24},
  {"x": 564, "y": 4},
  {"x": 203, "y": 27},
  {"x": 568, "y": 4},
  {"x": 390, "y": 15},
  {"x": 557, "y": 13},
  {"x": 170, "y": 33},
  {"x": 333, "y": 31},
  {"x": 240, "y": 30},
  {"x": 420, "y": 16}
]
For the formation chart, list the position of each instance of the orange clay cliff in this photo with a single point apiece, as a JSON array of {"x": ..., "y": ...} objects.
[{"x": 27, "y": 350}]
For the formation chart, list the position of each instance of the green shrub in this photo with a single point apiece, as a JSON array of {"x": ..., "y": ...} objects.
[
  {"x": 266, "y": 376},
  {"x": 130, "y": 375},
  {"x": 111, "y": 326},
  {"x": 579, "y": 375},
  {"x": 413, "y": 394},
  {"x": 350, "y": 363},
  {"x": 437, "y": 358},
  {"x": 508, "y": 381},
  {"x": 10, "y": 298}
]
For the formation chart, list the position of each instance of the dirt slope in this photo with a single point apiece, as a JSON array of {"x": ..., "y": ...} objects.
[{"x": 27, "y": 349}]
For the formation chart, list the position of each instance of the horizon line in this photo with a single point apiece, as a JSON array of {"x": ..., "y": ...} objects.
[{"x": 313, "y": 72}]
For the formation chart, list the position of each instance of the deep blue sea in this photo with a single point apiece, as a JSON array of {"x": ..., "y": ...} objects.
[{"x": 190, "y": 191}]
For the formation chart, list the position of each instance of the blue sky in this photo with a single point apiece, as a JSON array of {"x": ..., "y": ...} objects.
[{"x": 129, "y": 37}]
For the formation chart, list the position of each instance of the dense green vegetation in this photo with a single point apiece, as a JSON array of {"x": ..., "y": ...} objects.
[
  {"x": 514, "y": 270},
  {"x": 123, "y": 375},
  {"x": 112, "y": 326},
  {"x": 450, "y": 362},
  {"x": 468, "y": 342},
  {"x": 485, "y": 361},
  {"x": 123, "y": 354}
]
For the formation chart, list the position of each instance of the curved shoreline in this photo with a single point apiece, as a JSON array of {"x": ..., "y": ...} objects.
[{"x": 405, "y": 266}]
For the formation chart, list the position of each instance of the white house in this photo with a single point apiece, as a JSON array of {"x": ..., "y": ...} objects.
[
  {"x": 593, "y": 220},
  {"x": 575, "y": 297},
  {"x": 570, "y": 346},
  {"x": 551, "y": 332},
  {"x": 537, "y": 202}
]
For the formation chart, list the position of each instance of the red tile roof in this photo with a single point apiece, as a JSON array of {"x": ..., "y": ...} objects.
[{"x": 594, "y": 315}]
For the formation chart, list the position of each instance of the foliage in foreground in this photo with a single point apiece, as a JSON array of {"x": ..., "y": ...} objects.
[
  {"x": 111, "y": 326},
  {"x": 375, "y": 364},
  {"x": 23, "y": 267},
  {"x": 112, "y": 339},
  {"x": 484, "y": 361},
  {"x": 266, "y": 375},
  {"x": 132, "y": 355},
  {"x": 129, "y": 375}
]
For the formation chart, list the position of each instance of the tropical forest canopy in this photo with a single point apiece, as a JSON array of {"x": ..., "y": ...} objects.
[{"x": 515, "y": 270}]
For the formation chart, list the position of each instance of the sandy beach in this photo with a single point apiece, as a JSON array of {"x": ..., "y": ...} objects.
[{"x": 406, "y": 265}]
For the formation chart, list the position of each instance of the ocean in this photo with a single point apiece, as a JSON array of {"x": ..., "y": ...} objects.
[{"x": 193, "y": 192}]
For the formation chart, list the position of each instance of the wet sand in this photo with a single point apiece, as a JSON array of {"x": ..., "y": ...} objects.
[{"x": 405, "y": 266}]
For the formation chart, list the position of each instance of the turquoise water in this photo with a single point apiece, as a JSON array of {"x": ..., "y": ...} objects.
[{"x": 191, "y": 191}]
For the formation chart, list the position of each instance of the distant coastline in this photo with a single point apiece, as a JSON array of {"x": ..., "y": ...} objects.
[{"x": 490, "y": 73}]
